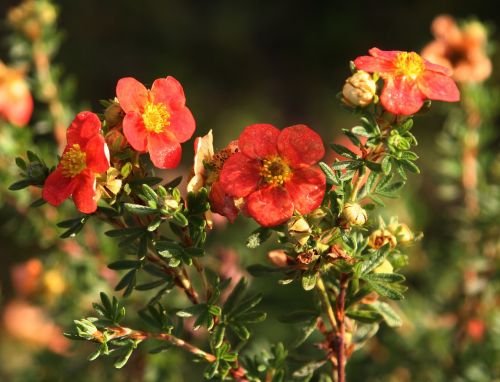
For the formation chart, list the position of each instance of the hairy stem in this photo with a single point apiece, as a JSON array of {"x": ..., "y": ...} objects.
[
  {"x": 123, "y": 332},
  {"x": 340, "y": 317},
  {"x": 325, "y": 300}
]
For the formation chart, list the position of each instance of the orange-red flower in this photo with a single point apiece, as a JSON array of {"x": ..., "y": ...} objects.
[
  {"x": 408, "y": 80},
  {"x": 86, "y": 154},
  {"x": 462, "y": 49},
  {"x": 156, "y": 120},
  {"x": 16, "y": 103},
  {"x": 275, "y": 172}
]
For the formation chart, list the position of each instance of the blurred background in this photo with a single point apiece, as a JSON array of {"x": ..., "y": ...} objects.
[{"x": 279, "y": 62}]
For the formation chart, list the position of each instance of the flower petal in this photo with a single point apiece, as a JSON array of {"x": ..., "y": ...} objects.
[
  {"x": 222, "y": 203},
  {"x": 97, "y": 154},
  {"x": 164, "y": 150},
  {"x": 270, "y": 206},
  {"x": 401, "y": 96},
  {"x": 300, "y": 145},
  {"x": 259, "y": 141},
  {"x": 131, "y": 94},
  {"x": 384, "y": 54},
  {"x": 240, "y": 175},
  {"x": 85, "y": 126},
  {"x": 373, "y": 64},
  {"x": 57, "y": 188},
  {"x": 438, "y": 87},
  {"x": 307, "y": 188},
  {"x": 169, "y": 92},
  {"x": 429, "y": 66},
  {"x": 84, "y": 193},
  {"x": 182, "y": 124},
  {"x": 135, "y": 131}
]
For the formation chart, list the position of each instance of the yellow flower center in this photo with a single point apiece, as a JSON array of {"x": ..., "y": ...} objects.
[
  {"x": 409, "y": 64},
  {"x": 73, "y": 162},
  {"x": 155, "y": 117},
  {"x": 275, "y": 171}
]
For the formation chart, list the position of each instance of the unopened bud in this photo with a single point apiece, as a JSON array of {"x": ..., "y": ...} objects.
[
  {"x": 359, "y": 89},
  {"x": 114, "y": 114},
  {"x": 385, "y": 267},
  {"x": 279, "y": 258},
  {"x": 299, "y": 229},
  {"x": 305, "y": 257},
  {"x": 381, "y": 237},
  {"x": 354, "y": 214},
  {"x": 116, "y": 140},
  {"x": 402, "y": 232}
]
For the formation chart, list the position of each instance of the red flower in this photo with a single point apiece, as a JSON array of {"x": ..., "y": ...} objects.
[
  {"x": 156, "y": 120},
  {"x": 275, "y": 172},
  {"x": 16, "y": 103},
  {"x": 86, "y": 154},
  {"x": 409, "y": 80}
]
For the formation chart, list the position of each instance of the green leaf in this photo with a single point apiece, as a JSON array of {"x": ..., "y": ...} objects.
[
  {"x": 241, "y": 331},
  {"x": 347, "y": 165},
  {"x": 122, "y": 361},
  {"x": 235, "y": 296},
  {"x": 308, "y": 369},
  {"x": 251, "y": 317},
  {"x": 194, "y": 310},
  {"x": 374, "y": 166},
  {"x": 352, "y": 137},
  {"x": 179, "y": 219},
  {"x": 124, "y": 264},
  {"x": 150, "y": 285},
  {"x": 391, "y": 318},
  {"x": 168, "y": 249},
  {"x": 386, "y": 165},
  {"x": 38, "y": 203},
  {"x": 218, "y": 336},
  {"x": 384, "y": 277},
  {"x": 139, "y": 209},
  {"x": 364, "y": 315},
  {"x": 410, "y": 166},
  {"x": 124, "y": 231},
  {"x": 373, "y": 261},
  {"x": 386, "y": 290},
  {"x": 259, "y": 270},
  {"x": 309, "y": 279},
  {"x": 305, "y": 331},
  {"x": 126, "y": 280},
  {"x": 343, "y": 151},
  {"x": 360, "y": 130},
  {"x": 330, "y": 176}
]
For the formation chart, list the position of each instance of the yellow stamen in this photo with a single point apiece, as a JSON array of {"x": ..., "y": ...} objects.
[
  {"x": 409, "y": 64},
  {"x": 73, "y": 162},
  {"x": 155, "y": 117},
  {"x": 275, "y": 171}
]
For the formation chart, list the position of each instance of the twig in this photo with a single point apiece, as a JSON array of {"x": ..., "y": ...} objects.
[{"x": 123, "y": 332}]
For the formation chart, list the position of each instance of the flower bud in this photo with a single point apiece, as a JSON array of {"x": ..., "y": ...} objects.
[
  {"x": 381, "y": 237},
  {"x": 279, "y": 258},
  {"x": 402, "y": 232},
  {"x": 114, "y": 114},
  {"x": 385, "y": 267},
  {"x": 116, "y": 140},
  {"x": 299, "y": 229},
  {"x": 359, "y": 89},
  {"x": 354, "y": 214}
]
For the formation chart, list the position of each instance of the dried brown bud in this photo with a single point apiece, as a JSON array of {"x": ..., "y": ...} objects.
[
  {"x": 305, "y": 258},
  {"x": 354, "y": 214},
  {"x": 381, "y": 237},
  {"x": 359, "y": 89},
  {"x": 116, "y": 140}
]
